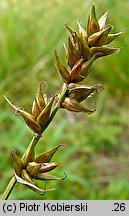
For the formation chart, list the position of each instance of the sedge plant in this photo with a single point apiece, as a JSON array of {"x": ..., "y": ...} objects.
[{"x": 82, "y": 49}]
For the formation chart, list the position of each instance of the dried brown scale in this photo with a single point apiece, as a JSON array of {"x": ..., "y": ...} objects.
[
  {"x": 72, "y": 54},
  {"x": 74, "y": 106},
  {"x": 75, "y": 72}
]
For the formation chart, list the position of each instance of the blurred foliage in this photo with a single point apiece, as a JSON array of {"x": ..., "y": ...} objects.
[{"x": 95, "y": 154}]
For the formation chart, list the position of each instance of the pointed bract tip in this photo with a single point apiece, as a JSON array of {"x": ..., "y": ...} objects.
[
  {"x": 13, "y": 106},
  {"x": 60, "y": 145},
  {"x": 66, "y": 24},
  {"x": 64, "y": 45},
  {"x": 93, "y": 10},
  {"x": 102, "y": 21},
  {"x": 56, "y": 53},
  {"x": 14, "y": 152},
  {"x": 93, "y": 5},
  {"x": 118, "y": 50},
  {"x": 106, "y": 13},
  {"x": 68, "y": 27}
]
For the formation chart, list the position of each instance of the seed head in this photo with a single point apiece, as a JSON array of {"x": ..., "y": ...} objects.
[{"x": 37, "y": 168}]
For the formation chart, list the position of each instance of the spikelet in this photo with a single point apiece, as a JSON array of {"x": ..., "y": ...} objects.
[
  {"x": 35, "y": 169},
  {"x": 41, "y": 110},
  {"x": 87, "y": 45},
  {"x": 83, "y": 48}
]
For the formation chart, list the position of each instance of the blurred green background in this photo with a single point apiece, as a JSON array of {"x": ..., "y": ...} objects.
[{"x": 95, "y": 155}]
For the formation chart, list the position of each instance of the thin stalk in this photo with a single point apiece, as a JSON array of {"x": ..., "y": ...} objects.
[
  {"x": 9, "y": 188},
  {"x": 33, "y": 143}
]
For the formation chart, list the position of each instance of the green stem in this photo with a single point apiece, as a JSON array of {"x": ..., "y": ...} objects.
[
  {"x": 9, "y": 188},
  {"x": 33, "y": 143}
]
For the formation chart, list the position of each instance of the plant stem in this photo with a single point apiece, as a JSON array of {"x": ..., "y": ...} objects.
[
  {"x": 33, "y": 143},
  {"x": 9, "y": 188}
]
